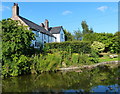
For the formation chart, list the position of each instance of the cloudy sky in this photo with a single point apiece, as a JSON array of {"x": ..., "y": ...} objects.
[{"x": 101, "y": 16}]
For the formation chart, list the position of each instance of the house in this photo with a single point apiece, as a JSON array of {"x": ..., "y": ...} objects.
[{"x": 43, "y": 33}]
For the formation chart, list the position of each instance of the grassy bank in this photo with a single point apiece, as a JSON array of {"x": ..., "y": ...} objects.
[
  {"x": 105, "y": 57},
  {"x": 51, "y": 61}
]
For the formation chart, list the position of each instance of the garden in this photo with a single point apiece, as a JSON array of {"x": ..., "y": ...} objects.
[{"x": 19, "y": 58}]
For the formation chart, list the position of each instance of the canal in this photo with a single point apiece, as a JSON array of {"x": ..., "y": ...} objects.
[{"x": 100, "y": 79}]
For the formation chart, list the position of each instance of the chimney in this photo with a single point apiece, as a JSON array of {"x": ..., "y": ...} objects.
[
  {"x": 15, "y": 10},
  {"x": 42, "y": 25},
  {"x": 46, "y": 24}
]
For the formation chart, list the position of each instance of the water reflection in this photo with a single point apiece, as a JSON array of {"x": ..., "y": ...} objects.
[{"x": 97, "y": 80}]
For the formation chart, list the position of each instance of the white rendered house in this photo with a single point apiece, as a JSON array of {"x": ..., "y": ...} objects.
[{"x": 44, "y": 33}]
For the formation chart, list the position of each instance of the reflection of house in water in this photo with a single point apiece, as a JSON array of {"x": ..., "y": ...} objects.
[{"x": 44, "y": 33}]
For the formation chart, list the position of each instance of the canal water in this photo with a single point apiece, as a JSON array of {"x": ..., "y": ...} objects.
[{"x": 95, "y": 80}]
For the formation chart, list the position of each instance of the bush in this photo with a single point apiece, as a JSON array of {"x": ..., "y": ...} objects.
[
  {"x": 43, "y": 63},
  {"x": 16, "y": 66},
  {"x": 98, "y": 46},
  {"x": 74, "y": 46},
  {"x": 94, "y": 55}
]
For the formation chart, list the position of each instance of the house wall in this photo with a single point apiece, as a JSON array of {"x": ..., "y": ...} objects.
[
  {"x": 36, "y": 43},
  {"x": 41, "y": 39},
  {"x": 60, "y": 37},
  {"x": 57, "y": 37}
]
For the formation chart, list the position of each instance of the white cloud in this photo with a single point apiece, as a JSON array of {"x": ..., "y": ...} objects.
[
  {"x": 2, "y": 8},
  {"x": 66, "y": 12},
  {"x": 102, "y": 8}
]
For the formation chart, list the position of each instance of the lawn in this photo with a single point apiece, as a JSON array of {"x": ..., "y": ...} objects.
[{"x": 106, "y": 57}]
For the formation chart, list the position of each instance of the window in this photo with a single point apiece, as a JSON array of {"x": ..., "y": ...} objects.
[
  {"x": 61, "y": 36},
  {"x": 51, "y": 39},
  {"x": 37, "y": 44},
  {"x": 48, "y": 39},
  {"x": 44, "y": 36},
  {"x": 37, "y": 34}
]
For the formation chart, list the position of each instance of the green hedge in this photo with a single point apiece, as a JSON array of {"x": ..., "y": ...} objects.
[{"x": 73, "y": 46}]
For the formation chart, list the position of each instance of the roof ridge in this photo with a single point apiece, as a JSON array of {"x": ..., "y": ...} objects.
[
  {"x": 30, "y": 21},
  {"x": 57, "y": 27},
  {"x": 45, "y": 31}
]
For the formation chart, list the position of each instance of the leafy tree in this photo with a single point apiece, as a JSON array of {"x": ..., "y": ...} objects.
[
  {"x": 106, "y": 38},
  {"x": 78, "y": 34},
  {"x": 91, "y": 30},
  {"x": 115, "y": 46},
  {"x": 90, "y": 37},
  {"x": 68, "y": 35},
  {"x": 85, "y": 28},
  {"x": 16, "y": 40}
]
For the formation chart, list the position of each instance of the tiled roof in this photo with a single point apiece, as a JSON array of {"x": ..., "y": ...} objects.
[
  {"x": 34, "y": 26},
  {"x": 55, "y": 30}
]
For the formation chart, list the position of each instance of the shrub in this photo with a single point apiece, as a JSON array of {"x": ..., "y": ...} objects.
[
  {"x": 16, "y": 66},
  {"x": 74, "y": 46},
  {"x": 98, "y": 46},
  {"x": 84, "y": 60},
  {"x": 43, "y": 63},
  {"x": 94, "y": 56},
  {"x": 75, "y": 58}
]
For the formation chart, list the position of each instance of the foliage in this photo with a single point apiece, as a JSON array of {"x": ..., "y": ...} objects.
[
  {"x": 110, "y": 40},
  {"x": 78, "y": 34},
  {"x": 68, "y": 35},
  {"x": 43, "y": 63},
  {"x": 75, "y": 46},
  {"x": 84, "y": 59},
  {"x": 94, "y": 57},
  {"x": 98, "y": 46},
  {"x": 16, "y": 40},
  {"x": 115, "y": 46},
  {"x": 85, "y": 28},
  {"x": 16, "y": 66}
]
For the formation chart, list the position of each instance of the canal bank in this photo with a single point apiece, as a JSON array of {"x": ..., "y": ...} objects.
[
  {"x": 95, "y": 80},
  {"x": 109, "y": 64}
]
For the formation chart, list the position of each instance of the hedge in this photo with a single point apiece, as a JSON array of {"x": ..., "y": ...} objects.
[{"x": 74, "y": 46}]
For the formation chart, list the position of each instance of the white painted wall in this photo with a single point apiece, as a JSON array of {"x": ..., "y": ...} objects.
[
  {"x": 38, "y": 40},
  {"x": 57, "y": 37},
  {"x": 42, "y": 38},
  {"x": 60, "y": 37}
]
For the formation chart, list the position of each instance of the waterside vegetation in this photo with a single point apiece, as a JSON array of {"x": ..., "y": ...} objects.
[{"x": 19, "y": 58}]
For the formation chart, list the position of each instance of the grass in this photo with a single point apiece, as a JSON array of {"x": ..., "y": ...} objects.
[{"x": 106, "y": 58}]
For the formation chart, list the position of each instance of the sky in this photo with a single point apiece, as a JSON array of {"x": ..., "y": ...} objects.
[{"x": 101, "y": 16}]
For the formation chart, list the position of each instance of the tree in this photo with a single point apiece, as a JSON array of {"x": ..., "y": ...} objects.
[
  {"x": 115, "y": 46},
  {"x": 68, "y": 35},
  {"x": 85, "y": 28},
  {"x": 78, "y": 34},
  {"x": 16, "y": 39}
]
